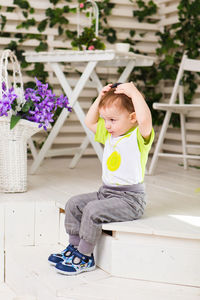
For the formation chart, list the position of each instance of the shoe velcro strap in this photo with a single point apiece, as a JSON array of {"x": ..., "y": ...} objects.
[
  {"x": 81, "y": 256},
  {"x": 69, "y": 248}
]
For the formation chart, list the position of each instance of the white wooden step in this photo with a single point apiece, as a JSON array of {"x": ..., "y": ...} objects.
[
  {"x": 6, "y": 293},
  {"x": 164, "y": 245},
  {"x": 157, "y": 247},
  {"x": 39, "y": 279},
  {"x": 160, "y": 249}
]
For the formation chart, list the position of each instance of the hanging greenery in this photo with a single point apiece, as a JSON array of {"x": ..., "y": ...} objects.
[
  {"x": 105, "y": 8},
  {"x": 57, "y": 17},
  {"x": 183, "y": 36},
  {"x": 87, "y": 41},
  {"x": 174, "y": 40},
  {"x": 146, "y": 78},
  {"x": 146, "y": 10}
]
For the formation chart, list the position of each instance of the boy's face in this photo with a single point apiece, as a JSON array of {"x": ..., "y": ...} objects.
[{"x": 117, "y": 119}]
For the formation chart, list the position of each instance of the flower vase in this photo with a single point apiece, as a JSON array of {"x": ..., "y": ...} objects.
[{"x": 13, "y": 154}]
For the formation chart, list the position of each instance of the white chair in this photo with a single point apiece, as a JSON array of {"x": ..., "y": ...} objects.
[{"x": 180, "y": 108}]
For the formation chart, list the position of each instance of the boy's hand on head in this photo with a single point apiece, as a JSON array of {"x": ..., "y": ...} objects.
[
  {"x": 104, "y": 90},
  {"x": 92, "y": 116},
  {"x": 129, "y": 89},
  {"x": 142, "y": 111}
]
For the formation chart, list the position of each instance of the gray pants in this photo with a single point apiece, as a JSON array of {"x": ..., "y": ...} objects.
[{"x": 85, "y": 213}]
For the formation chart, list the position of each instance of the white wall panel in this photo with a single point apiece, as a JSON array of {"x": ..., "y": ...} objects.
[{"x": 122, "y": 20}]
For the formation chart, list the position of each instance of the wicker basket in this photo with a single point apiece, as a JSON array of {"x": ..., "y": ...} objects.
[
  {"x": 13, "y": 143},
  {"x": 13, "y": 154}
]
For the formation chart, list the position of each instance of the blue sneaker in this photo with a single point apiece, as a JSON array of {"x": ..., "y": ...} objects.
[
  {"x": 69, "y": 267},
  {"x": 60, "y": 257}
]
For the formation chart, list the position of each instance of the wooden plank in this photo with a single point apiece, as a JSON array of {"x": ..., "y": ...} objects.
[
  {"x": 164, "y": 255},
  {"x": 12, "y": 28},
  {"x": 175, "y": 148},
  {"x": 192, "y": 126},
  {"x": 18, "y": 16},
  {"x": 169, "y": 21},
  {"x": 2, "y": 245},
  {"x": 46, "y": 231},
  {"x": 168, "y": 9},
  {"x": 125, "y": 2},
  {"x": 191, "y": 138},
  {"x": 131, "y": 24},
  {"x": 122, "y": 11},
  {"x": 121, "y": 19},
  {"x": 16, "y": 215},
  {"x": 68, "y": 140},
  {"x": 178, "y": 108}
]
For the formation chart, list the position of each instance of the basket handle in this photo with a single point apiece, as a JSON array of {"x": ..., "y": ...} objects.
[{"x": 17, "y": 76}]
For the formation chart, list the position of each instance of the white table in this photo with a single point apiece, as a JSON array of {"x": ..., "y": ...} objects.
[{"x": 89, "y": 59}]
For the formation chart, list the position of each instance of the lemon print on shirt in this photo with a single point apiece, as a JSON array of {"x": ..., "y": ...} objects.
[{"x": 114, "y": 161}]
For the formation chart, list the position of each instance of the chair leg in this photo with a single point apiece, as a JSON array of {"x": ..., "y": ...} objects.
[
  {"x": 159, "y": 143},
  {"x": 183, "y": 138},
  {"x": 183, "y": 130}
]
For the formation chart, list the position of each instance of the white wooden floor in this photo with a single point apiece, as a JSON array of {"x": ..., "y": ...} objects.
[{"x": 173, "y": 194}]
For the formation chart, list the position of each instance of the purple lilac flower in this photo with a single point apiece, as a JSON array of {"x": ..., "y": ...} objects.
[
  {"x": 41, "y": 103},
  {"x": 45, "y": 104},
  {"x": 8, "y": 97}
]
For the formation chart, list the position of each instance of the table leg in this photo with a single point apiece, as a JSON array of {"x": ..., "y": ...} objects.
[
  {"x": 95, "y": 79},
  {"x": 127, "y": 71},
  {"x": 73, "y": 96},
  {"x": 79, "y": 153}
]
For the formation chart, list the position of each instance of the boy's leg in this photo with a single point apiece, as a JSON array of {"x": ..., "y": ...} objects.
[
  {"x": 73, "y": 209},
  {"x": 118, "y": 207},
  {"x": 73, "y": 215},
  {"x": 110, "y": 207}
]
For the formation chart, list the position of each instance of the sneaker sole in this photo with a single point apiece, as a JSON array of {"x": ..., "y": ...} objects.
[
  {"x": 77, "y": 272},
  {"x": 51, "y": 263}
]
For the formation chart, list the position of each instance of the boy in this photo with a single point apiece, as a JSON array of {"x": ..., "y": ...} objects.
[{"x": 125, "y": 127}]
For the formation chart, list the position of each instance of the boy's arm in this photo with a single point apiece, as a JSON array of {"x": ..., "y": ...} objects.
[
  {"x": 142, "y": 111},
  {"x": 92, "y": 115}
]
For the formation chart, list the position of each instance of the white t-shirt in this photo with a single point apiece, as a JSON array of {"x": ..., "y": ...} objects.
[{"x": 124, "y": 157}]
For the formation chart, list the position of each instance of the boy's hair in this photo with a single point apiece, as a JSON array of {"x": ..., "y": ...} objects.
[{"x": 120, "y": 99}]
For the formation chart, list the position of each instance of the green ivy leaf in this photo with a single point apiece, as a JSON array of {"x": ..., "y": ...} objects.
[
  {"x": 31, "y": 10},
  {"x": 73, "y": 10},
  {"x": 54, "y": 1},
  {"x": 25, "y": 14},
  {"x": 60, "y": 30},
  {"x": 10, "y": 9},
  {"x": 3, "y": 21},
  {"x": 38, "y": 72},
  {"x": 27, "y": 24},
  {"x": 42, "y": 25},
  {"x": 71, "y": 34},
  {"x": 66, "y": 9},
  {"x": 110, "y": 34},
  {"x": 41, "y": 47},
  {"x": 22, "y": 4},
  {"x": 132, "y": 32}
]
